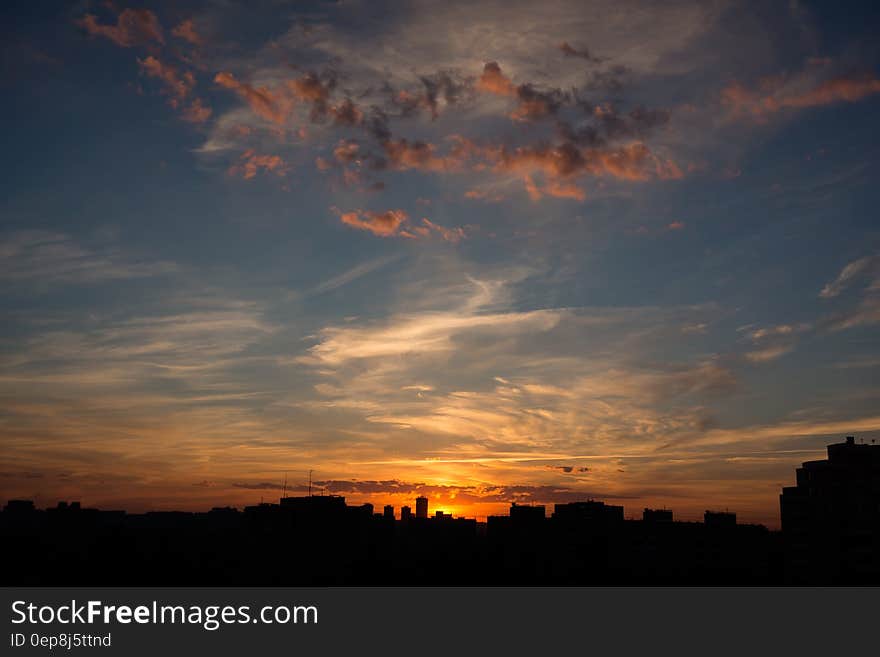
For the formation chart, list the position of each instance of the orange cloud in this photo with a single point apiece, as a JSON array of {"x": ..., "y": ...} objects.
[
  {"x": 836, "y": 90},
  {"x": 532, "y": 189},
  {"x": 264, "y": 103},
  {"x": 567, "y": 160},
  {"x": 493, "y": 81},
  {"x": 250, "y": 164},
  {"x": 635, "y": 162},
  {"x": 563, "y": 190},
  {"x": 773, "y": 97},
  {"x": 533, "y": 104},
  {"x": 187, "y": 31},
  {"x": 627, "y": 163},
  {"x": 419, "y": 155},
  {"x": 564, "y": 160},
  {"x": 395, "y": 223},
  {"x": 383, "y": 224},
  {"x": 276, "y": 104},
  {"x": 346, "y": 151},
  {"x": 632, "y": 162},
  {"x": 310, "y": 88},
  {"x": 346, "y": 113},
  {"x": 556, "y": 163},
  {"x": 179, "y": 86},
  {"x": 133, "y": 27},
  {"x": 531, "y": 109},
  {"x": 675, "y": 225},
  {"x": 196, "y": 112},
  {"x": 553, "y": 188}
]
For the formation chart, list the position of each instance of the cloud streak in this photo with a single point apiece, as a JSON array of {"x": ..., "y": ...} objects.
[
  {"x": 396, "y": 223},
  {"x": 55, "y": 258},
  {"x": 846, "y": 277},
  {"x": 778, "y": 94}
]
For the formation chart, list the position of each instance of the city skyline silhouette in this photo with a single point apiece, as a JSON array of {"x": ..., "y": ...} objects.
[{"x": 830, "y": 535}]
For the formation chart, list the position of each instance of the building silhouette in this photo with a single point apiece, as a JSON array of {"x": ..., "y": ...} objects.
[
  {"x": 657, "y": 515},
  {"x": 527, "y": 512},
  {"x": 831, "y": 517},
  {"x": 590, "y": 511},
  {"x": 421, "y": 507},
  {"x": 315, "y": 504},
  {"x": 719, "y": 519}
]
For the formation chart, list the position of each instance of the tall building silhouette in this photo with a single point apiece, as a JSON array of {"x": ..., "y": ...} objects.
[
  {"x": 831, "y": 518},
  {"x": 421, "y": 507}
]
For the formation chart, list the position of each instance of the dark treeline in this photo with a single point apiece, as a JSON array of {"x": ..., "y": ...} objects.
[{"x": 830, "y": 535}]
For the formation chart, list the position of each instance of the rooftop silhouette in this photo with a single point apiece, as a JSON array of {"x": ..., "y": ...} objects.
[{"x": 830, "y": 535}]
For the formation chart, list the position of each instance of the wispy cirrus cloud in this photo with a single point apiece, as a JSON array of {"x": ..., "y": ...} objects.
[
  {"x": 552, "y": 399},
  {"x": 867, "y": 311},
  {"x": 151, "y": 388},
  {"x": 771, "y": 342},
  {"x": 847, "y": 276},
  {"x": 353, "y": 274},
  {"x": 56, "y": 258},
  {"x": 815, "y": 86}
]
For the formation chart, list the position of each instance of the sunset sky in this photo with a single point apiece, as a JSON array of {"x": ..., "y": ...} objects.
[{"x": 486, "y": 252}]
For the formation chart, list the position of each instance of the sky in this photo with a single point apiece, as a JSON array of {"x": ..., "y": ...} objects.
[{"x": 485, "y": 252}]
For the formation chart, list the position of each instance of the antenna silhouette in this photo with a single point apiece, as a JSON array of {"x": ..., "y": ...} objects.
[
  {"x": 310, "y": 483},
  {"x": 284, "y": 487}
]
